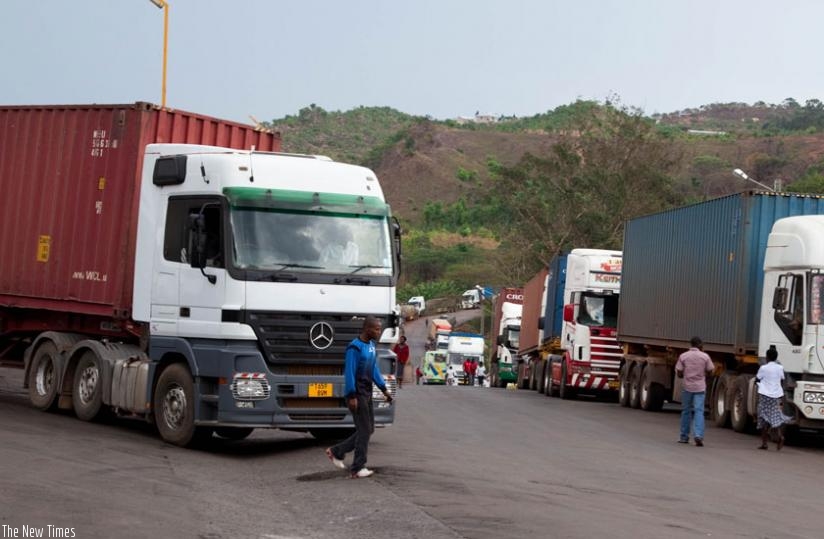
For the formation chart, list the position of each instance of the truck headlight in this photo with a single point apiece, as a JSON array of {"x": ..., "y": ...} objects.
[
  {"x": 250, "y": 387},
  {"x": 816, "y": 397}
]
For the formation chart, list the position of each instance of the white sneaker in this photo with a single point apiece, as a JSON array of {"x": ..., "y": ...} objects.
[
  {"x": 363, "y": 472},
  {"x": 336, "y": 462}
]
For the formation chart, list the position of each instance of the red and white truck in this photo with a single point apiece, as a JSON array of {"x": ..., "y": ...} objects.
[
  {"x": 578, "y": 349},
  {"x": 140, "y": 273}
]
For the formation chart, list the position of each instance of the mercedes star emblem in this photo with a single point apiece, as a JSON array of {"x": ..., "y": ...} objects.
[{"x": 321, "y": 335}]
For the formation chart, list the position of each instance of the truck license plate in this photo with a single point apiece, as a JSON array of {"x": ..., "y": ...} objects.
[
  {"x": 320, "y": 390},
  {"x": 614, "y": 384}
]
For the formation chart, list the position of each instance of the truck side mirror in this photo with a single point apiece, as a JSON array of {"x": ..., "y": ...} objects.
[
  {"x": 396, "y": 237},
  {"x": 197, "y": 251},
  {"x": 197, "y": 243},
  {"x": 569, "y": 313},
  {"x": 780, "y": 296}
]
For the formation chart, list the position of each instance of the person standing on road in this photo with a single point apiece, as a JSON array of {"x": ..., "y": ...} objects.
[
  {"x": 359, "y": 373},
  {"x": 770, "y": 393},
  {"x": 481, "y": 373},
  {"x": 473, "y": 368},
  {"x": 402, "y": 351},
  {"x": 693, "y": 366}
]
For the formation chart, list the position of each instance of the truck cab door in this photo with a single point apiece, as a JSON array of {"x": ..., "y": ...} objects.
[
  {"x": 788, "y": 318},
  {"x": 202, "y": 290}
]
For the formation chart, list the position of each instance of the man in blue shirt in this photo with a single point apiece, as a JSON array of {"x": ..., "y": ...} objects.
[{"x": 359, "y": 373}]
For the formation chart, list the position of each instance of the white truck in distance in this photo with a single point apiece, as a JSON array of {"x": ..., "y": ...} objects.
[{"x": 463, "y": 346}]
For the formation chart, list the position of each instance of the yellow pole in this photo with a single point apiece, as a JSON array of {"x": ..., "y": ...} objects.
[{"x": 165, "y": 50}]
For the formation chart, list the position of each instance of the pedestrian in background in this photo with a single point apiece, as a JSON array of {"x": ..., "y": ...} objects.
[
  {"x": 402, "y": 351},
  {"x": 360, "y": 372},
  {"x": 693, "y": 366},
  {"x": 770, "y": 393},
  {"x": 418, "y": 375}
]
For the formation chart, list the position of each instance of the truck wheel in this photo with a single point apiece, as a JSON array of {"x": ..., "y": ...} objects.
[
  {"x": 533, "y": 378},
  {"x": 542, "y": 366},
  {"x": 564, "y": 391},
  {"x": 652, "y": 394},
  {"x": 43, "y": 377},
  {"x": 523, "y": 380},
  {"x": 635, "y": 385},
  {"x": 739, "y": 417},
  {"x": 174, "y": 408},
  {"x": 548, "y": 379},
  {"x": 87, "y": 390},
  {"x": 554, "y": 389},
  {"x": 720, "y": 407},
  {"x": 233, "y": 433},
  {"x": 623, "y": 388}
]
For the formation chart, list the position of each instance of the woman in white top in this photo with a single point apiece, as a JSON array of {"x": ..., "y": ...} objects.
[{"x": 770, "y": 393}]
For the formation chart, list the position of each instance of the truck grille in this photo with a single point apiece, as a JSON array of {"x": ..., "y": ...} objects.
[{"x": 285, "y": 337}]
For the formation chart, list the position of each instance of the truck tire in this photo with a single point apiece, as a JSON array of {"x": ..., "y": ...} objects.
[
  {"x": 233, "y": 433},
  {"x": 533, "y": 378},
  {"x": 43, "y": 377},
  {"x": 87, "y": 389},
  {"x": 541, "y": 376},
  {"x": 652, "y": 394},
  {"x": 524, "y": 381},
  {"x": 635, "y": 385},
  {"x": 174, "y": 408},
  {"x": 548, "y": 378},
  {"x": 564, "y": 391},
  {"x": 739, "y": 417},
  {"x": 623, "y": 388},
  {"x": 554, "y": 389},
  {"x": 720, "y": 406}
]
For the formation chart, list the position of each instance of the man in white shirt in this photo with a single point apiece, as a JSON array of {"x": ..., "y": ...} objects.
[{"x": 770, "y": 392}]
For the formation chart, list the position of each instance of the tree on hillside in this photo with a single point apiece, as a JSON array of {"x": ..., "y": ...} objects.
[{"x": 582, "y": 192}]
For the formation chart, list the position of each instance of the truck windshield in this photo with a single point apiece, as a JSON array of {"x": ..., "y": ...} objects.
[
  {"x": 514, "y": 339},
  {"x": 275, "y": 239},
  {"x": 598, "y": 310},
  {"x": 816, "y": 299}
]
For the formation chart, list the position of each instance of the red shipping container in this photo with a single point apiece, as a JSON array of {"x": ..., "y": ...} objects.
[
  {"x": 70, "y": 179},
  {"x": 532, "y": 312}
]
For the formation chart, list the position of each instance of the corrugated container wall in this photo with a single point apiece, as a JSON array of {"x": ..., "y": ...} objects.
[
  {"x": 698, "y": 270},
  {"x": 532, "y": 313},
  {"x": 554, "y": 314},
  {"x": 70, "y": 178}
]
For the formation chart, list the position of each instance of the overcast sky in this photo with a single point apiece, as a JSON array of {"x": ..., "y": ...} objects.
[{"x": 443, "y": 58}]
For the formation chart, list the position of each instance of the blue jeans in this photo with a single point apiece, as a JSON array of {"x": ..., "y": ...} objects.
[{"x": 692, "y": 411}]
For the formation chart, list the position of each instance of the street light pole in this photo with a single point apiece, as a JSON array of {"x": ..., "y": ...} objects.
[
  {"x": 164, "y": 5},
  {"x": 741, "y": 174}
]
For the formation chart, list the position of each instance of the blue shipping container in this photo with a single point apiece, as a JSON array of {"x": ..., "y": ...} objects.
[
  {"x": 554, "y": 313},
  {"x": 698, "y": 270}
]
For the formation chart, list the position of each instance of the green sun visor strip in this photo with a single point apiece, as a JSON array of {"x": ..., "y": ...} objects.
[{"x": 305, "y": 201}]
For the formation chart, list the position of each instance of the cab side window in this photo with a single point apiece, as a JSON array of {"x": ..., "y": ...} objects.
[
  {"x": 178, "y": 237},
  {"x": 790, "y": 315}
]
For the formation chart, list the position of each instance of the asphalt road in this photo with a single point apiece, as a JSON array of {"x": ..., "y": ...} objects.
[{"x": 459, "y": 462}]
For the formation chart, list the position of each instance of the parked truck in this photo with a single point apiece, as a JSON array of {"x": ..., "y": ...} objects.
[
  {"x": 532, "y": 332},
  {"x": 462, "y": 347},
  {"x": 743, "y": 272},
  {"x": 140, "y": 273},
  {"x": 506, "y": 328},
  {"x": 578, "y": 351}
]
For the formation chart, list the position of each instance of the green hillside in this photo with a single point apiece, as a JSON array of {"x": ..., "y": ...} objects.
[{"x": 492, "y": 202}]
